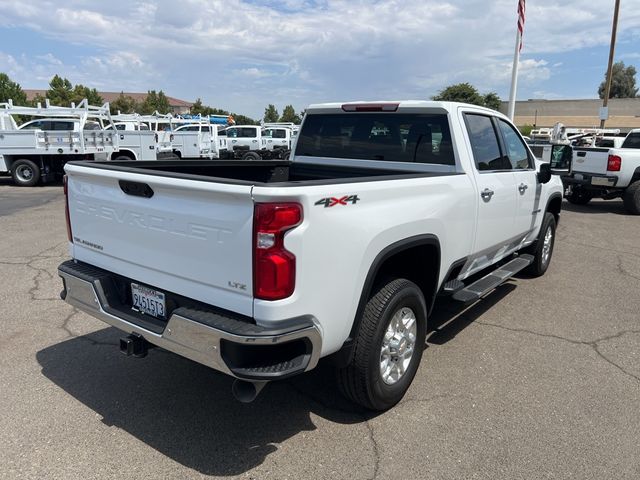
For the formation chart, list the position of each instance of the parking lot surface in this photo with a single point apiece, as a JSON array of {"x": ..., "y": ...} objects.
[{"x": 541, "y": 379}]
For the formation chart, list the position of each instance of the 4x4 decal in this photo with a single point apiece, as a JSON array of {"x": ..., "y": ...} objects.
[{"x": 333, "y": 201}]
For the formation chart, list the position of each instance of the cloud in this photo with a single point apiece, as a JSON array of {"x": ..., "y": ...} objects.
[{"x": 243, "y": 55}]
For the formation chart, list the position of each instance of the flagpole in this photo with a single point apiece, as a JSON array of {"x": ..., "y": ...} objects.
[{"x": 514, "y": 76}]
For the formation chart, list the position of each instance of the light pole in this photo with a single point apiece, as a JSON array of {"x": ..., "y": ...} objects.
[{"x": 607, "y": 88}]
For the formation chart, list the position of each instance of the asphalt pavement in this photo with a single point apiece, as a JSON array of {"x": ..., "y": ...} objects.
[{"x": 539, "y": 380}]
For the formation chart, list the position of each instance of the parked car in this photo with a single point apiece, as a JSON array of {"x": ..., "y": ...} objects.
[
  {"x": 260, "y": 269},
  {"x": 607, "y": 173}
]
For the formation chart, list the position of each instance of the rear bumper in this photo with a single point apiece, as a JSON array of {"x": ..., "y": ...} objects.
[
  {"x": 586, "y": 180},
  {"x": 233, "y": 345}
]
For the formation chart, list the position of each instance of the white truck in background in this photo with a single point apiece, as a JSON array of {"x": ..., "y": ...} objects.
[
  {"x": 136, "y": 140},
  {"x": 259, "y": 269},
  {"x": 606, "y": 173},
  {"x": 37, "y": 151}
]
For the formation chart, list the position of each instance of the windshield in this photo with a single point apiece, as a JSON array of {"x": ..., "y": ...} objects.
[{"x": 397, "y": 137}]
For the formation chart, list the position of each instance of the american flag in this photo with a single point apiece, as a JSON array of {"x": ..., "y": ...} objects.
[{"x": 521, "y": 10}]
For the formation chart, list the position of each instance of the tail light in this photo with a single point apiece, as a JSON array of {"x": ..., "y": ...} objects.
[
  {"x": 614, "y": 164},
  {"x": 65, "y": 188},
  {"x": 274, "y": 267}
]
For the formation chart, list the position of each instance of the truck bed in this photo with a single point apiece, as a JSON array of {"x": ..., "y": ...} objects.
[{"x": 274, "y": 173}]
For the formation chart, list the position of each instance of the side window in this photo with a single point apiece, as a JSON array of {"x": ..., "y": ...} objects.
[
  {"x": 484, "y": 143},
  {"x": 121, "y": 126},
  {"x": 61, "y": 126},
  {"x": 632, "y": 141},
  {"x": 516, "y": 149},
  {"x": 32, "y": 125}
]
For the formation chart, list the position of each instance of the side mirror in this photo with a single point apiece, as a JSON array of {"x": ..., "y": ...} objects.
[
  {"x": 544, "y": 174},
  {"x": 560, "y": 160}
]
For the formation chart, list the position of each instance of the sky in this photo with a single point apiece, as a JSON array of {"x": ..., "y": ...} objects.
[{"x": 241, "y": 55}]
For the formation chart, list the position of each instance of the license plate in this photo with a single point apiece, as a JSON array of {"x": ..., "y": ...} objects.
[
  {"x": 147, "y": 300},
  {"x": 607, "y": 182}
]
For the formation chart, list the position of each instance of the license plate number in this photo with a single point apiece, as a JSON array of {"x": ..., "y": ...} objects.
[
  {"x": 601, "y": 181},
  {"x": 147, "y": 300}
]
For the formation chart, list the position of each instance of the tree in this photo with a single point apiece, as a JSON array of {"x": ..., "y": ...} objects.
[
  {"x": 623, "y": 82},
  {"x": 81, "y": 92},
  {"x": 10, "y": 90},
  {"x": 270, "y": 114},
  {"x": 123, "y": 104},
  {"x": 492, "y": 100},
  {"x": 290, "y": 115},
  {"x": 199, "y": 109},
  {"x": 60, "y": 91},
  {"x": 155, "y": 101},
  {"x": 467, "y": 93}
]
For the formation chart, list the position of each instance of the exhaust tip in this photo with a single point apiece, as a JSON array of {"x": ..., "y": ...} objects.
[{"x": 245, "y": 391}]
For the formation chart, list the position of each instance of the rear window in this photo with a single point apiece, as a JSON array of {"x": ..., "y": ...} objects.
[
  {"x": 632, "y": 141},
  {"x": 395, "y": 137}
]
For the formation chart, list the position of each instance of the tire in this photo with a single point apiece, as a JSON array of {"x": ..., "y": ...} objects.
[
  {"x": 542, "y": 250},
  {"x": 25, "y": 173},
  {"x": 362, "y": 381},
  {"x": 123, "y": 158},
  {"x": 579, "y": 197},
  {"x": 251, "y": 156},
  {"x": 286, "y": 156},
  {"x": 631, "y": 198}
]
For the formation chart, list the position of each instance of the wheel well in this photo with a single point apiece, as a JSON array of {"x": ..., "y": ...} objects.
[
  {"x": 555, "y": 205},
  {"x": 417, "y": 259},
  {"x": 123, "y": 153},
  {"x": 419, "y": 264}
]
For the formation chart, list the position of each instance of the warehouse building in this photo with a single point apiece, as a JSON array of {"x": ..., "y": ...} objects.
[
  {"x": 624, "y": 113},
  {"x": 177, "y": 106}
]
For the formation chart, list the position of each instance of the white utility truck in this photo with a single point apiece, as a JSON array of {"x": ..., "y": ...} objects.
[
  {"x": 36, "y": 151},
  {"x": 136, "y": 140},
  {"x": 199, "y": 139},
  {"x": 278, "y": 137},
  {"x": 259, "y": 269},
  {"x": 607, "y": 173}
]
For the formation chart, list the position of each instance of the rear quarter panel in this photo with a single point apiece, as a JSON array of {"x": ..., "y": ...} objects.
[{"x": 336, "y": 246}]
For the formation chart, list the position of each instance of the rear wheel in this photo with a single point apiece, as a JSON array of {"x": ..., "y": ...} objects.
[
  {"x": 25, "y": 173},
  {"x": 388, "y": 347},
  {"x": 631, "y": 198},
  {"x": 543, "y": 248},
  {"x": 579, "y": 197},
  {"x": 123, "y": 158},
  {"x": 286, "y": 156},
  {"x": 251, "y": 156}
]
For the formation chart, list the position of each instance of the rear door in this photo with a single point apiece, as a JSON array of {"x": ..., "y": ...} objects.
[
  {"x": 190, "y": 237},
  {"x": 496, "y": 184}
]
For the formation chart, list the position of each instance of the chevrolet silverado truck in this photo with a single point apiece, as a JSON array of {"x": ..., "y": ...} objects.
[
  {"x": 607, "y": 173},
  {"x": 259, "y": 270}
]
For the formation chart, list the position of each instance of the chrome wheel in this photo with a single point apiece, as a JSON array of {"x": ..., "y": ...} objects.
[
  {"x": 24, "y": 173},
  {"x": 398, "y": 345},
  {"x": 546, "y": 245}
]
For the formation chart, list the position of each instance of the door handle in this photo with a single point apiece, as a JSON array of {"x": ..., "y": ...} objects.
[
  {"x": 523, "y": 188},
  {"x": 486, "y": 194}
]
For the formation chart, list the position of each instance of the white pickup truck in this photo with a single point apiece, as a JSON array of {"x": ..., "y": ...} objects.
[
  {"x": 607, "y": 173},
  {"x": 259, "y": 269}
]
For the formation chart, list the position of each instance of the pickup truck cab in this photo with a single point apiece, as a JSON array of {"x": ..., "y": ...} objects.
[
  {"x": 607, "y": 173},
  {"x": 260, "y": 269}
]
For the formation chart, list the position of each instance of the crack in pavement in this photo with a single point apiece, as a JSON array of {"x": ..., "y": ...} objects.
[
  {"x": 623, "y": 271},
  {"x": 606, "y": 249},
  {"x": 593, "y": 344},
  {"x": 350, "y": 413}
]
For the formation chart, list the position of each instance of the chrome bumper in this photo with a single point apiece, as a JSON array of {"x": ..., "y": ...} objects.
[{"x": 84, "y": 289}]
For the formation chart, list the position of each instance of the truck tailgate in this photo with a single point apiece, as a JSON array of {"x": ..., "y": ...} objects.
[
  {"x": 590, "y": 160},
  {"x": 190, "y": 237}
]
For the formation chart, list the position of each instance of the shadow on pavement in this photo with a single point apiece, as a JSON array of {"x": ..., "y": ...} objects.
[
  {"x": 597, "y": 206},
  {"x": 185, "y": 410},
  {"x": 450, "y": 317}
]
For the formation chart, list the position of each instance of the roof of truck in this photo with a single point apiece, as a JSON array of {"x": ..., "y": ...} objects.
[{"x": 401, "y": 104}]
